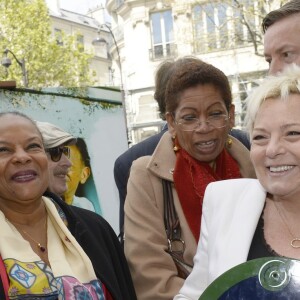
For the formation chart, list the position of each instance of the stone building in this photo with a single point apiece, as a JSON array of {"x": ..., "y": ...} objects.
[
  {"x": 141, "y": 34},
  {"x": 215, "y": 31},
  {"x": 92, "y": 34}
]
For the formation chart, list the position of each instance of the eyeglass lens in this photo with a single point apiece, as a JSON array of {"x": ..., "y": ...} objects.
[
  {"x": 56, "y": 153},
  {"x": 190, "y": 124}
]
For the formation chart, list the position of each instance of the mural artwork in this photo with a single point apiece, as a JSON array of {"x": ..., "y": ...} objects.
[{"x": 96, "y": 118}]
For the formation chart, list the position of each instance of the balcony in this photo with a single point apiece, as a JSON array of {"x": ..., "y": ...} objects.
[{"x": 161, "y": 51}]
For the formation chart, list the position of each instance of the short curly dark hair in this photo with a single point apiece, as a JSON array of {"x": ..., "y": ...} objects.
[
  {"x": 290, "y": 8},
  {"x": 190, "y": 72}
]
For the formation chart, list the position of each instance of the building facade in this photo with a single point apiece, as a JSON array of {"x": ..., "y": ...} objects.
[{"x": 93, "y": 36}]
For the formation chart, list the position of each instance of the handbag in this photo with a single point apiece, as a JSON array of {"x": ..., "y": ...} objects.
[{"x": 176, "y": 245}]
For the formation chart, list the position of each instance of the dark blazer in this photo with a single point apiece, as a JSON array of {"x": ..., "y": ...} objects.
[
  {"x": 102, "y": 246},
  {"x": 123, "y": 164},
  {"x": 242, "y": 136},
  {"x": 124, "y": 161}
]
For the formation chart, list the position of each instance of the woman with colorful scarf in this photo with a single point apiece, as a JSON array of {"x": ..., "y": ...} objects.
[
  {"x": 197, "y": 150},
  {"x": 49, "y": 249}
]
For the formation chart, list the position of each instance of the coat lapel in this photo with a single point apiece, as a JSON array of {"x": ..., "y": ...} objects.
[{"x": 248, "y": 209}]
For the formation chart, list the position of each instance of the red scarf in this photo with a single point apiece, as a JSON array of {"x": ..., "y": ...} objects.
[{"x": 191, "y": 177}]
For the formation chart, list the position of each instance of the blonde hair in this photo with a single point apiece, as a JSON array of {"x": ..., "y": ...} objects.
[{"x": 272, "y": 87}]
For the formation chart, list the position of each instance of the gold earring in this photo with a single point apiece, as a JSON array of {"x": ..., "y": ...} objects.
[
  {"x": 229, "y": 142},
  {"x": 175, "y": 148}
]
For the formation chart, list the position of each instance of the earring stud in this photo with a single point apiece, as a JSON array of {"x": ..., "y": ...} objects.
[{"x": 229, "y": 142}]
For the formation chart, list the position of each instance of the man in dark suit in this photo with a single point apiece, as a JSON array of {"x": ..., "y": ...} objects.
[{"x": 124, "y": 161}]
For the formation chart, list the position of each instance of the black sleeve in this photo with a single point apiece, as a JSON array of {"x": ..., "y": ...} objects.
[
  {"x": 100, "y": 243},
  {"x": 2, "y": 295},
  {"x": 121, "y": 175}
]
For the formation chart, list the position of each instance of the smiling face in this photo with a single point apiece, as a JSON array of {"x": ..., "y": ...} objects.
[
  {"x": 23, "y": 162},
  {"x": 206, "y": 142},
  {"x": 275, "y": 148},
  {"x": 58, "y": 171},
  {"x": 282, "y": 43}
]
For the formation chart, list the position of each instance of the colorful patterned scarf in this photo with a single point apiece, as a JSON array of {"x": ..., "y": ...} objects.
[{"x": 71, "y": 275}]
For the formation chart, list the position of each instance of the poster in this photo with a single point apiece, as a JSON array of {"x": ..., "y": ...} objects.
[{"x": 95, "y": 116}]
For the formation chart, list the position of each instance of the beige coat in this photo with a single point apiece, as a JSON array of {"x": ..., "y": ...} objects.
[{"x": 153, "y": 271}]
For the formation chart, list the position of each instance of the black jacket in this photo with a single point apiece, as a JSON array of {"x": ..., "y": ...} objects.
[{"x": 101, "y": 245}]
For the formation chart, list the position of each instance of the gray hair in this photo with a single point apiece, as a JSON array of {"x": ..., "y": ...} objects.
[{"x": 272, "y": 87}]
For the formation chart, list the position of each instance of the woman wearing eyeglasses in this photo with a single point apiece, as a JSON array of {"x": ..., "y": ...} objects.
[
  {"x": 49, "y": 249},
  {"x": 197, "y": 150}
]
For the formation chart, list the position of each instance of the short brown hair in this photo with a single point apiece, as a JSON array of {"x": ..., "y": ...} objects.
[
  {"x": 290, "y": 8},
  {"x": 190, "y": 72},
  {"x": 162, "y": 76}
]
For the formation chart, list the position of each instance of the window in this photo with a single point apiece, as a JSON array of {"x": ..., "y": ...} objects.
[
  {"x": 119, "y": 3},
  {"x": 145, "y": 132},
  {"x": 147, "y": 109},
  {"x": 198, "y": 29},
  {"x": 244, "y": 12},
  {"x": 58, "y": 36},
  {"x": 222, "y": 26},
  {"x": 246, "y": 82},
  {"x": 162, "y": 34},
  {"x": 80, "y": 42},
  {"x": 210, "y": 26},
  {"x": 238, "y": 28}
]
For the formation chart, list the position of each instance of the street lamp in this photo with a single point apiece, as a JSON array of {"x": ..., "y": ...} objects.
[
  {"x": 99, "y": 41},
  {"x": 6, "y": 62}
]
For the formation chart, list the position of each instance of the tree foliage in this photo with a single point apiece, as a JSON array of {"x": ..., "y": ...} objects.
[{"x": 25, "y": 29}]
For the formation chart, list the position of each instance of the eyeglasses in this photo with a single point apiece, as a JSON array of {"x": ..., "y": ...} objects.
[
  {"x": 56, "y": 153},
  {"x": 191, "y": 123}
]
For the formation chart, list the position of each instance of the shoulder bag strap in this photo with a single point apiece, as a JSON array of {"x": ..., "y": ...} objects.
[
  {"x": 172, "y": 224},
  {"x": 176, "y": 245}
]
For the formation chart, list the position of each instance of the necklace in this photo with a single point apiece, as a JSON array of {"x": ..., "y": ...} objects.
[
  {"x": 295, "y": 242},
  {"x": 40, "y": 246}
]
